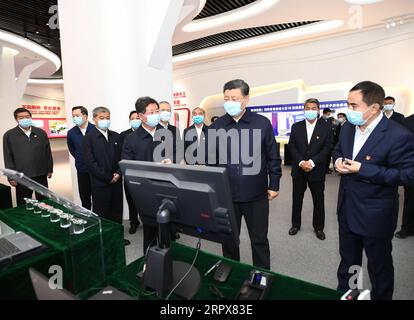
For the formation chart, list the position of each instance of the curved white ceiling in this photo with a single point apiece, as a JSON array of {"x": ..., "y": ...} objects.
[
  {"x": 229, "y": 17},
  {"x": 24, "y": 45}
]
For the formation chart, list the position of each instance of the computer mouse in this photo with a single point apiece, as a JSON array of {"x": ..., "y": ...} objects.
[{"x": 222, "y": 272}]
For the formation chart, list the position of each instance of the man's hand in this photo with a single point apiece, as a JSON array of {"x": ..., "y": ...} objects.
[
  {"x": 49, "y": 175},
  {"x": 352, "y": 166},
  {"x": 115, "y": 178},
  {"x": 341, "y": 167},
  {"x": 166, "y": 161},
  {"x": 13, "y": 183},
  {"x": 306, "y": 166},
  {"x": 271, "y": 195}
]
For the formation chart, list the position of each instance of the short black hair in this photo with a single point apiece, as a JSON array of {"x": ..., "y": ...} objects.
[
  {"x": 390, "y": 98},
  {"x": 312, "y": 100},
  {"x": 83, "y": 110},
  {"x": 371, "y": 93},
  {"x": 327, "y": 110},
  {"x": 237, "y": 84},
  {"x": 214, "y": 119},
  {"x": 131, "y": 113},
  {"x": 143, "y": 102},
  {"x": 342, "y": 114},
  {"x": 20, "y": 110}
]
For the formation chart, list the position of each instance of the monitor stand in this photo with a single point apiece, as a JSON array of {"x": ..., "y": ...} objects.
[{"x": 162, "y": 274}]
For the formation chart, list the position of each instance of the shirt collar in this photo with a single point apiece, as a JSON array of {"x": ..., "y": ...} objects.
[
  {"x": 372, "y": 125},
  {"x": 308, "y": 124},
  {"x": 389, "y": 116},
  {"x": 247, "y": 117},
  {"x": 26, "y": 131},
  {"x": 151, "y": 133},
  {"x": 105, "y": 133}
]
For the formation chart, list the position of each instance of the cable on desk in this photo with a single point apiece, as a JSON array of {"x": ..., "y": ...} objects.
[{"x": 189, "y": 269}]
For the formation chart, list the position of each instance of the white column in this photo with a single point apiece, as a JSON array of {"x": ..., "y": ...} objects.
[
  {"x": 11, "y": 90},
  {"x": 115, "y": 51}
]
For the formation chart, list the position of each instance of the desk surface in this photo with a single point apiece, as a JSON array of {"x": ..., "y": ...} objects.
[
  {"x": 75, "y": 255},
  {"x": 283, "y": 288}
]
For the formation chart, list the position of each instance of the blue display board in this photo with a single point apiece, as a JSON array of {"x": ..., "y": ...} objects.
[{"x": 283, "y": 116}]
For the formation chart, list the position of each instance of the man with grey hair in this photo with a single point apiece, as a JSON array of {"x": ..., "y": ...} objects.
[
  {"x": 102, "y": 152},
  {"x": 195, "y": 139},
  {"x": 310, "y": 146}
]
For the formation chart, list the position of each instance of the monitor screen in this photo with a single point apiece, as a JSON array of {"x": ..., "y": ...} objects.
[{"x": 201, "y": 195}]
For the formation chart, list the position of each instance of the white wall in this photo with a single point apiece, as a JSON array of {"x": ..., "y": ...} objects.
[{"x": 381, "y": 55}]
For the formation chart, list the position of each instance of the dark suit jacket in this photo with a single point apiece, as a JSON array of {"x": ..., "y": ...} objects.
[
  {"x": 397, "y": 117},
  {"x": 139, "y": 145},
  {"x": 318, "y": 150},
  {"x": 123, "y": 135},
  {"x": 190, "y": 137},
  {"x": 33, "y": 156},
  {"x": 75, "y": 146},
  {"x": 368, "y": 200},
  {"x": 409, "y": 123},
  {"x": 101, "y": 156}
]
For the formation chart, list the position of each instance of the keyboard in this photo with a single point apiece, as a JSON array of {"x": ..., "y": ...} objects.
[{"x": 7, "y": 248}]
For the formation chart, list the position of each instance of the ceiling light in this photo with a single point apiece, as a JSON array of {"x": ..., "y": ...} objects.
[
  {"x": 229, "y": 17},
  {"x": 45, "y": 81},
  {"x": 36, "y": 49},
  {"x": 362, "y": 2},
  {"x": 261, "y": 40}
]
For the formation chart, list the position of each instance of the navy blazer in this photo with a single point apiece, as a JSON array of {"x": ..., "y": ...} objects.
[
  {"x": 318, "y": 150},
  {"x": 368, "y": 200},
  {"x": 398, "y": 117},
  {"x": 101, "y": 156},
  {"x": 75, "y": 146}
]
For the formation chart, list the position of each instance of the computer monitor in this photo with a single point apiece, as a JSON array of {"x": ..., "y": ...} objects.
[{"x": 197, "y": 200}]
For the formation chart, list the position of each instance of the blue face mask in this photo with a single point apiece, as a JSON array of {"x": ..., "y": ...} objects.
[
  {"x": 104, "y": 124},
  {"x": 153, "y": 120},
  {"x": 198, "y": 119},
  {"x": 311, "y": 114},
  {"x": 25, "y": 123},
  {"x": 165, "y": 116},
  {"x": 356, "y": 117},
  {"x": 233, "y": 108},
  {"x": 135, "y": 124},
  {"x": 78, "y": 121},
  {"x": 388, "y": 107}
]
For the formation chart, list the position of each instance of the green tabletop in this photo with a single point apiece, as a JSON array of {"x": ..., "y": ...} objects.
[
  {"x": 283, "y": 287},
  {"x": 79, "y": 256}
]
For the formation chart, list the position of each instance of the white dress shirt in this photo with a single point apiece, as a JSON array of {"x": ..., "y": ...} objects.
[
  {"x": 152, "y": 133},
  {"x": 199, "y": 130},
  {"x": 84, "y": 130},
  {"x": 389, "y": 115},
  {"x": 362, "y": 136},
  {"x": 310, "y": 127},
  {"x": 27, "y": 132},
  {"x": 105, "y": 133}
]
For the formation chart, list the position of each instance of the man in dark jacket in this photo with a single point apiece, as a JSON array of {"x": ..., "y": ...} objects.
[
  {"x": 140, "y": 145},
  {"x": 102, "y": 152},
  {"x": 135, "y": 123},
  {"x": 27, "y": 149},
  {"x": 407, "y": 227},
  {"x": 389, "y": 112},
  {"x": 310, "y": 146},
  {"x": 75, "y": 146},
  {"x": 195, "y": 139}
]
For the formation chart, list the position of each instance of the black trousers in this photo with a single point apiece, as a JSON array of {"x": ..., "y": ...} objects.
[
  {"x": 108, "y": 201},
  {"x": 133, "y": 212},
  {"x": 85, "y": 189},
  {"x": 408, "y": 212},
  {"x": 23, "y": 192},
  {"x": 380, "y": 265},
  {"x": 256, "y": 215},
  {"x": 317, "y": 188}
]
